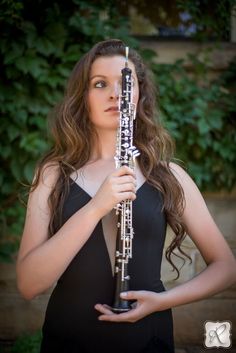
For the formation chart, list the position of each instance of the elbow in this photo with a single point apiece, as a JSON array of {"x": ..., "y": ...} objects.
[
  {"x": 28, "y": 287},
  {"x": 25, "y": 290},
  {"x": 27, "y": 295}
]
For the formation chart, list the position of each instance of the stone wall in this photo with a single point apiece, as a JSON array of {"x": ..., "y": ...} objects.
[
  {"x": 18, "y": 316},
  {"x": 169, "y": 51}
]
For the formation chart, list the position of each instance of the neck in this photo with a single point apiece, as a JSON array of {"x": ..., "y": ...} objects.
[{"x": 105, "y": 148}]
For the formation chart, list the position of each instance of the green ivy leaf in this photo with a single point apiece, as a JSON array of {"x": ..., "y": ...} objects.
[
  {"x": 203, "y": 126},
  {"x": 45, "y": 46},
  {"x": 15, "y": 52},
  {"x": 13, "y": 132}
]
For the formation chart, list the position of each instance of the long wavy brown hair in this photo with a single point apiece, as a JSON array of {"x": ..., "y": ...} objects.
[{"x": 74, "y": 137}]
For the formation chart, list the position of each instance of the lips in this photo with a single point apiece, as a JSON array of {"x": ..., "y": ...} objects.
[{"x": 112, "y": 109}]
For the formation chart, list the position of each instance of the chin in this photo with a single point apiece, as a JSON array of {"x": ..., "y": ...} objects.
[{"x": 111, "y": 127}]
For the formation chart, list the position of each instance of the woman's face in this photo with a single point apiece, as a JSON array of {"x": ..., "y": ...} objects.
[{"x": 104, "y": 90}]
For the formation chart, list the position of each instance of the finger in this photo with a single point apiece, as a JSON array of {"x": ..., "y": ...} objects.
[
  {"x": 138, "y": 294},
  {"x": 126, "y": 179},
  {"x": 129, "y": 316},
  {"x": 124, "y": 171},
  {"x": 125, "y": 187},
  {"x": 104, "y": 309},
  {"x": 107, "y": 306},
  {"x": 128, "y": 195}
]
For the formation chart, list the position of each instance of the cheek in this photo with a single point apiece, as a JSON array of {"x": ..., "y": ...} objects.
[{"x": 91, "y": 99}]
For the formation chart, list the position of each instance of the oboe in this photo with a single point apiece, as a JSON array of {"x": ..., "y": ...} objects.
[{"x": 125, "y": 155}]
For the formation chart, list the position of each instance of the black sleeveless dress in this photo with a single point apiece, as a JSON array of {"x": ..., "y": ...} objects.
[{"x": 71, "y": 324}]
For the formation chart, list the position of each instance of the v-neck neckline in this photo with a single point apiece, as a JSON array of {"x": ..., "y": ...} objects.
[
  {"x": 100, "y": 224},
  {"x": 74, "y": 182}
]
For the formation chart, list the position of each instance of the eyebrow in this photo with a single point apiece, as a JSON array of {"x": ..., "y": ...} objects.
[
  {"x": 97, "y": 76},
  {"x": 103, "y": 76}
]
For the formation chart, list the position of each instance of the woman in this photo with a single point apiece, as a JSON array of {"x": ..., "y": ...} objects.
[{"x": 70, "y": 229}]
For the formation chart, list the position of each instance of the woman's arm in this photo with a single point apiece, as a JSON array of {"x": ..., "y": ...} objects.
[
  {"x": 41, "y": 261},
  {"x": 221, "y": 265}
]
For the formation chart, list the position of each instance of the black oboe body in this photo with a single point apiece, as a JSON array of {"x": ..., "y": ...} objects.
[{"x": 125, "y": 155}]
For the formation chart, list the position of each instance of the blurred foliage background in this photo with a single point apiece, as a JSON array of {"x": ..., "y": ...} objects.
[{"x": 40, "y": 43}]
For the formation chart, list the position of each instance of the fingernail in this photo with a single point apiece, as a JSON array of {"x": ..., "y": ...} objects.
[{"x": 124, "y": 294}]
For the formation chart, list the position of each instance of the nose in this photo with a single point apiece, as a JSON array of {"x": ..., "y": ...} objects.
[{"x": 115, "y": 91}]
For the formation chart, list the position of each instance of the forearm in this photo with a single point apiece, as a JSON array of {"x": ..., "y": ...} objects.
[
  {"x": 215, "y": 278},
  {"x": 39, "y": 269}
]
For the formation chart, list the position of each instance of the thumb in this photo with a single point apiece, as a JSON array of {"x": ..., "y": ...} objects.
[{"x": 131, "y": 295}]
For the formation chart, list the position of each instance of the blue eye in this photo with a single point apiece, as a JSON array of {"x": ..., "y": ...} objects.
[{"x": 100, "y": 84}]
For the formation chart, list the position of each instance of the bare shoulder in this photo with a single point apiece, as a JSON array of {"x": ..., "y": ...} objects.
[
  {"x": 194, "y": 201},
  {"x": 180, "y": 174},
  {"x": 48, "y": 175},
  {"x": 47, "y": 179},
  {"x": 38, "y": 197},
  {"x": 38, "y": 213},
  {"x": 185, "y": 180}
]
